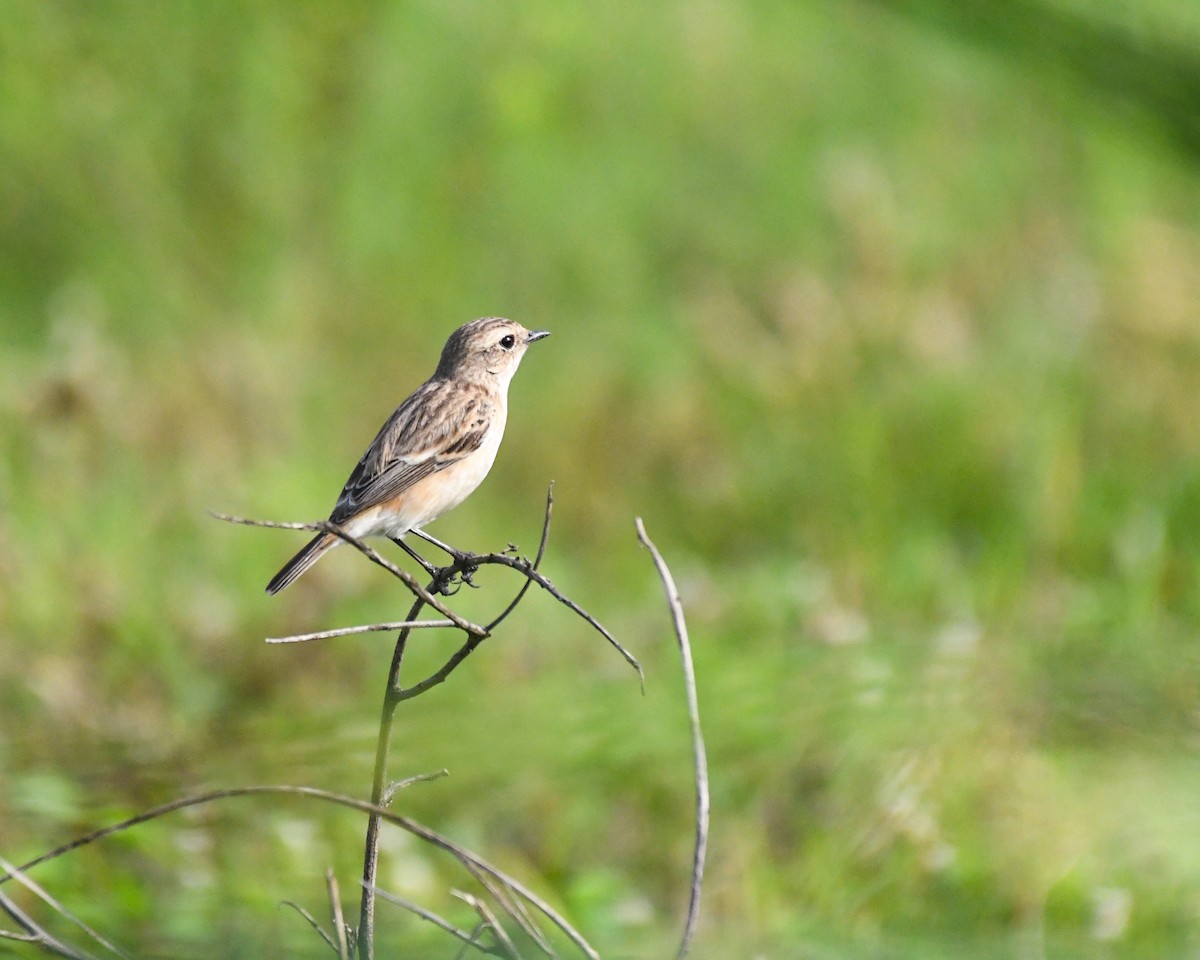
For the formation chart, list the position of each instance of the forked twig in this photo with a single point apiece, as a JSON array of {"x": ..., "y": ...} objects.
[
  {"x": 462, "y": 562},
  {"x": 698, "y": 752},
  {"x": 462, "y": 565},
  {"x": 537, "y": 560}
]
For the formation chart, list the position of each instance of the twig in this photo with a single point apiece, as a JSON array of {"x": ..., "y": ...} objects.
[
  {"x": 365, "y": 939},
  {"x": 527, "y": 569},
  {"x": 698, "y": 752},
  {"x": 339, "y": 919},
  {"x": 367, "y": 628},
  {"x": 462, "y": 564},
  {"x": 537, "y": 561},
  {"x": 393, "y": 788},
  {"x": 469, "y": 939},
  {"x": 324, "y": 526}
]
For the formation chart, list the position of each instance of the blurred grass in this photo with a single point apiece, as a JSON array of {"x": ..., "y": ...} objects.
[{"x": 885, "y": 321}]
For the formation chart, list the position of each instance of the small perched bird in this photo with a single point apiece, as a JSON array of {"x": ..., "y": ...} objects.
[{"x": 435, "y": 449}]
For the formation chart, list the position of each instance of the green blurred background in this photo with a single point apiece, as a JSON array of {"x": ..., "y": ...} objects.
[{"x": 884, "y": 314}]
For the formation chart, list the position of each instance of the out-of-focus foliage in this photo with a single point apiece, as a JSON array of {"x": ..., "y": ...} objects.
[{"x": 884, "y": 315}]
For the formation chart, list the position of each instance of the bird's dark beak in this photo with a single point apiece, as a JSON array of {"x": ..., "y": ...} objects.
[{"x": 536, "y": 335}]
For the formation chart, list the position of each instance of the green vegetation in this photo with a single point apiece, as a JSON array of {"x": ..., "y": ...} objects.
[{"x": 884, "y": 315}]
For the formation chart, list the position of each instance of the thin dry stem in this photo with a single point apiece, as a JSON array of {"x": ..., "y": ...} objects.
[
  {"x": 324, "y": 526},
  {"x": 394, "y": 788},
  {"x": 339, "y": 919},
  {"x": 698, "y": 751},
  {"x": 366, "y": 628}
]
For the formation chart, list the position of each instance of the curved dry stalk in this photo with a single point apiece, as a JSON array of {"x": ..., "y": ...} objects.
[
  {"x": 698, "y": 753},
  {"x": 419, "y": 830}
]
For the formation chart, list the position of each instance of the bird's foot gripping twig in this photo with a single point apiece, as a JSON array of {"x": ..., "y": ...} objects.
[{"x": 446, "y": 580}]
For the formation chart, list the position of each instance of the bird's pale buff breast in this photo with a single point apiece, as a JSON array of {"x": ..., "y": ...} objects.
[{"x": 435, "y": 495}]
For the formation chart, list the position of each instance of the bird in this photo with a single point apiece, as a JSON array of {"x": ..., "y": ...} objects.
[{"x": 434, "y": 450}]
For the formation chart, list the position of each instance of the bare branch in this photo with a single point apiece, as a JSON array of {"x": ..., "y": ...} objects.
[
  {"x": 324, "y": 526},
  {"x": 698, "y": 751},
  {"x": 439, "y": 675},
  {"x": 269, "y": 524},
  {"x": 462, "y": 562},
  {"x": 368, "y": 628},
  {"x": 462, "y": 565},
  {"x": 409, "y": 580},
  {"x": 527, "y": 569},
  {"x": 537, "y": 561}
]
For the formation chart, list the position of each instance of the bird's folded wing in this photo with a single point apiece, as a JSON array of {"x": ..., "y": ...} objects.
[{"x": 437, "y": 426}]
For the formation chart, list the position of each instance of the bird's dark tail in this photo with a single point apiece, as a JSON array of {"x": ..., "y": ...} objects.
[{"x": 311, "y": 553}]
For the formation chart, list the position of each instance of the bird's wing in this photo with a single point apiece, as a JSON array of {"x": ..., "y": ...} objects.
[{"x": 440, "y": 424}]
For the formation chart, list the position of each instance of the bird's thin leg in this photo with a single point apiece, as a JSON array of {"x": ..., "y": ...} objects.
[
  {"x": 461, "y": 557},
  {"x": 456, "y": 554},
  {"x": 429, "y": 567}
]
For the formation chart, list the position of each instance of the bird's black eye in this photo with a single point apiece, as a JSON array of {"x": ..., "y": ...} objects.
[{"x": 508, "y": 341}]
